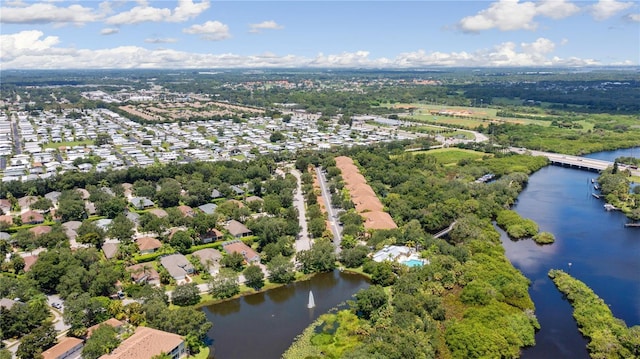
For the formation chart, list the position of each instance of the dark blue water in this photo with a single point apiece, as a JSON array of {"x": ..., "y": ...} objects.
[
  {"x": 602, "y": 252},
  {"x": 264, "y": 325}
]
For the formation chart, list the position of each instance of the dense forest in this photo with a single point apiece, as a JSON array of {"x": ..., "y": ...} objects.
[{"x": 469, "y": 302}]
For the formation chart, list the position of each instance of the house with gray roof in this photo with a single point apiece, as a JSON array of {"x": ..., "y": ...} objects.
[
  {"x": 177, "y": 265},
  {"x": 237, "y": 229},
  {"x": 141, "y": 202},
  {"x": 208, "y": 208},
  {"x": 210, "y": 259}
]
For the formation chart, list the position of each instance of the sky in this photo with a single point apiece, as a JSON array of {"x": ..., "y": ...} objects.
[{"x": 211, "y": 34}]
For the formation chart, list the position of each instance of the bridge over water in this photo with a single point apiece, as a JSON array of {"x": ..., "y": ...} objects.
[{"x": 589, "y": 164}]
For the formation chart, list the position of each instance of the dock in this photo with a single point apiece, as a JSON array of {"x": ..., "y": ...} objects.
[
  {"x": 632, "y": 225},
  {"x": 610, "y": 207}
]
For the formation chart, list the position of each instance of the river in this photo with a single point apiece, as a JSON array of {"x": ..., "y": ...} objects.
[
  {"x": 591, "y": 244},
  {"x": 264, "y": 325}
]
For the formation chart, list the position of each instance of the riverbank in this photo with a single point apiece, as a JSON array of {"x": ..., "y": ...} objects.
[{"x": 609, "y": 336}]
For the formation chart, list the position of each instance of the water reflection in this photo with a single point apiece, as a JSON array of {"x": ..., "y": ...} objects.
[{"x": 273, "y": 319}]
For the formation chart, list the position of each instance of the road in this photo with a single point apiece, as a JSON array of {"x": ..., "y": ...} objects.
[
  {"x": 17, "y": 148},
  {"x": 333, "y": 221},
  {"x": 303, "y": 242}
]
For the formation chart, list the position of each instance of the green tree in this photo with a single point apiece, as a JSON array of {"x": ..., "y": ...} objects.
[
  {"x": 233, "y": 261},
  {"x": 34, "y": 343},
  {"x": 185, "y": 294},
  {"x": 281, "y": 270},
  {"x": 354, "y": 257},
  {"x": 320, "y": 258},
  {"x": 102, "y": 341},
  {"x": 181, "y": 241},
  {"x": 42, "y": 203},
  {"x": 224, "y": 284},
  {"x": 121, "y": 228},
  {"x": 369, "y": 300},
  {"x": 254, "y": 277}
]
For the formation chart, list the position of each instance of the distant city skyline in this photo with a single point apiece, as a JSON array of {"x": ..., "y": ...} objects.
[{"x": 206, "y": 34}]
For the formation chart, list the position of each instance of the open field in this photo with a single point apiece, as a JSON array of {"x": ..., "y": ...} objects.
[
  {"x": 471, "y": 117},
  {"x": 436, "y": 130},
  {"x": 57, "y": 145},
  {"x": 451, "y": 155}
]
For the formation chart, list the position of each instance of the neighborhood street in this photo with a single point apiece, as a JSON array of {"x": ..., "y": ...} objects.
[{"x": 332, "y": 215}]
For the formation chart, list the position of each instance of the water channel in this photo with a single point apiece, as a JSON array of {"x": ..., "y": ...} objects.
[
  {"x": 264, "y": 325},
  {"x": 602, "y": 252}
]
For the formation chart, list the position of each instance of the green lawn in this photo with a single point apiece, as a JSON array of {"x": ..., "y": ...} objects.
[
  {"x": 68, "y": 144},
  {"x": 452, "y": 155}
]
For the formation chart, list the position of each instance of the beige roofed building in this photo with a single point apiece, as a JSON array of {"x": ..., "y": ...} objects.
[
  {"x": 148, "y": 342},
  {"x": 67, "y": 348}
]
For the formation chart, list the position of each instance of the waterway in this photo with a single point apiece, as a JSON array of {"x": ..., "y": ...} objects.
[
  {"x": 591, "y": 244},
  {"x": 264, "y": 325}
]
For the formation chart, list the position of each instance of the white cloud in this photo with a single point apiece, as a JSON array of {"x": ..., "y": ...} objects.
[
  {"x": 605, "y": 9},
  {"x": 508, "y": 15},
  {"x": 43, "y": 13},
  {"x": 25, "y": 43},
  {"x": 210, "y": 30},
  {"x": 556, "y": 9},
  {"x": 634, "y": 17},
  {"x": 160, "y": 40},
  {"x": 265, "y": 25},
  {"x": 185, "y": 10},
  {"x": 31, "y": 50},
  {"x": 109, "y": 31}
]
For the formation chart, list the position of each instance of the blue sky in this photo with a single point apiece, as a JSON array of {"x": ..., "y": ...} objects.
[{"x": 391, "y": 34}]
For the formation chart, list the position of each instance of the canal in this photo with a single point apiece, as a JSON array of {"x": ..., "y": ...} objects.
[
  {"x": 591, "y": 243},
  {"x": 264, "y": 325}
]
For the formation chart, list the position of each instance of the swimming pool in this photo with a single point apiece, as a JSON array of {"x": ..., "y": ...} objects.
[{"x": 413, "y": 263}]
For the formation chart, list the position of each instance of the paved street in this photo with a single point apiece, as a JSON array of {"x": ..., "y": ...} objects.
[
  {"x": 332, "y": 215},
  {"x": 303, "y": 242}
]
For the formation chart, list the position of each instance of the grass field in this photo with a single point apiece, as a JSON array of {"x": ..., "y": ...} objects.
[
  {"x": 470, "y": 117},
  {"x": 447, "y": 156},
  {"x": 439, "y": 130},
  {"x": 57, "y": 145}
]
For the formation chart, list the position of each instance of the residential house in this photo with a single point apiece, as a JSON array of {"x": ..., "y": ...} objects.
[
  {"x": 84, "y": 194},
  {"x": 141, "y": 202},
  {"x": 32, "y": 217},
  {"x": 208, "y": 208},
  {"x": 237, "y": 229},
  {"x": 134, "y": 217},
  {"x": 144, "y": 273},
  {"x": 177, "y": 265},
  {"x": 253, "y": 199},
  {"x": 5, "y": 206},
  {"x": 148, "y": 244},
  {"x": 110, "y": 250},
  {"x": 210, "y": 258},
  {"x": 53, "y": 197},
  {"x": 216, "y": 194},
  {"x": 7, "y": 303},
  {"x": 71, "y": 229},
  {"x": 40, "y": 230},
  {"x": 237, "y": 190},
  {"x": 29, "y": 261},
  {"x": 211, "y": 235},
  {"x": 115, "y": 323},
  {"x": 158, "y": 212},
  {"x": 68, "y": 347},
  {"x": 146, "y": 343},
  {"x": 26, "y": 201},
  {"x": 237, "y": 246},
  {"x": 186, "y": 211},
  {"x": 7, "y": 219}
]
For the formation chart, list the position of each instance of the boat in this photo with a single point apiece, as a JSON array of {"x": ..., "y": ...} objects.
[
  {"x": 595, "y": 195},
  {"x": 593, "y": 180},
  {"x": 610, "y": 207},
  {"x": 596, "y": 187},
  {"x": 632, "y": 225}
]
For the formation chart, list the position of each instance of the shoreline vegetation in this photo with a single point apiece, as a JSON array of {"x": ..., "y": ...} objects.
[{"x": 609, "y": 337}]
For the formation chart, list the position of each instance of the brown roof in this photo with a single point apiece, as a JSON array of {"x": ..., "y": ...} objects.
[
  {"x": 111, "y": 321},
  {"x": 378, "y": 220},
  {"x": 40, "y": 230},
  {"x": 7, "y": 219},
  {"x": 363, "y": 197},
  {"x": 186, "y": 211},
  {"x": 145, "y": 343},
  {"x": 32, "y": 216},
  {"x": 238, "y": 246},
  {"x": 147, "y": 243},
  {"x": 28, "y": 262},
  {"x": 61, "y": 348},
  {"x": 158, "y": 212},
  {"x": 236, "y": 228},
  {"x": 138, "y": 271},
  {"x": 110, "y": 250},
  {"x": 26, "y": 201}
]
